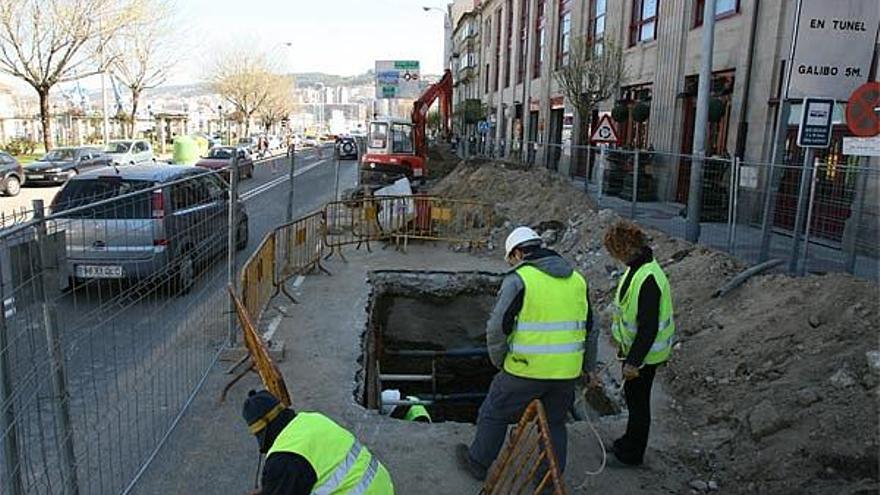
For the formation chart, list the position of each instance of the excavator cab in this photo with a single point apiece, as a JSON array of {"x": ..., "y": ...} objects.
[
  {"x": 391, "y": 153},
  {"x": 397, "y": 147}
]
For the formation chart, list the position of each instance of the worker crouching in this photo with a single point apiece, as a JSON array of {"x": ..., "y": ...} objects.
[
  {"x": 309, "y": 453},
  {"x": 644, "y": 329},
  {"x": 539, "y": 334}
]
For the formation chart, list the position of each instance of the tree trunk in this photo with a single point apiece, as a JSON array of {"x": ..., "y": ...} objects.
[
  {"x": 45, "y": 117},
  {"x": 135, "y": 96}
]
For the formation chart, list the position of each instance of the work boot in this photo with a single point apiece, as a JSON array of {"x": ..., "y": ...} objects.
[{"x": 463, "y": 455}]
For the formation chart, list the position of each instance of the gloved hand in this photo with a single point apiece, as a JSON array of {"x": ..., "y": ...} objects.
[{"x": 630, "y": 372}]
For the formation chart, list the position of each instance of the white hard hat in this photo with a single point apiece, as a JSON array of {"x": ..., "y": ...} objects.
[
  {"x": 519, "y": 236},
  {"x": 388, "y": 396}
]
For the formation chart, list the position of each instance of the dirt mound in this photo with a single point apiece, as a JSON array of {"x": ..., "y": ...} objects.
[
  {"x": 441, "y": 161},
  {"x": 519, "y": 195},
  {"x": 775, "y": 384},
  {"x": 779, "y": 381}
]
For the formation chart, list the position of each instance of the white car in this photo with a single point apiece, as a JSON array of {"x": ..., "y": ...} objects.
[
  {"x": 130, "y": 152},
  {"x": 275, "y": 143}
]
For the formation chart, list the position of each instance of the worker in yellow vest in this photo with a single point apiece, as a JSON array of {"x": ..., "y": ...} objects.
[
  {"x": 644, "y": 329},
  {"x": 539, "y": 335},
  {"x": 407, "y": 412},
  {"x": 309, "y": 453}
]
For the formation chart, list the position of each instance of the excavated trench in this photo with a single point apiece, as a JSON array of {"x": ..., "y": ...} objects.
[{"x": 425, "y": 338}]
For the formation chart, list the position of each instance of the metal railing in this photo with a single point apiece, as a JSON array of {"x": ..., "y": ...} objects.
[
  {"x": 109, "y": 328},
  {"x": 749, "y": 209}
]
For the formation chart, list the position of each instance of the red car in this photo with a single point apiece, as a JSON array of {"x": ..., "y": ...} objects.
[{"x": 220, "y": 158}]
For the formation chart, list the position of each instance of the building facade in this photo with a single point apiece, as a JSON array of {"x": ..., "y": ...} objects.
[{"x": 522, "y": 43}]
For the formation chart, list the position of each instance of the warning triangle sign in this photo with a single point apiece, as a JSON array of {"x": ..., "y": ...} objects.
[{"x": 605, "y": 132}]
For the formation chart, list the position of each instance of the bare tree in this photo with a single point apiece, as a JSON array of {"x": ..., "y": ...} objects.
[
  {"x": 279, "y": 104},
  {"x": 142, "y": 57},
  {"x": 242, "y": 78},
  {"x": 47, "y": 42},
  {"x": 593, "y": 74}
]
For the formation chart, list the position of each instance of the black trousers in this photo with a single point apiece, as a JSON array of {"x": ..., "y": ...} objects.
[
  {"x": 630, "y": 448},
  {"x": 504, "y": 405}
]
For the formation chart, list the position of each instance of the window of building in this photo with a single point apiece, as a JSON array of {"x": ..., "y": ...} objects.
[
  {"x": 723, "y": 8},
  {"x": 488, "y": 32},
  {"x": 508, "y": 60},
  {"x": 539, "y": 40},
  {"x": 486, "y": 89},
  {"x": 563, "y": 47},
  {"x": 596, "y": 33},
  {"x": 497, "y": 84},
  {"x": 523, "y": 40},
  {"x": 644, "y": 21}
]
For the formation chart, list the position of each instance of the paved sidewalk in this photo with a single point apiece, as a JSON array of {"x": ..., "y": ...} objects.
[{"x": 212, "y": 452}]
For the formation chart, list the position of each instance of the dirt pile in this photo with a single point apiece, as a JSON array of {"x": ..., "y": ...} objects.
[
  {"x": 441, "y": 160},
  {"x": 775, "y": 384}
]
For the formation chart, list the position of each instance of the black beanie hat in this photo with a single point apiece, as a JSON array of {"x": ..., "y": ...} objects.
[{"x": 259, "y": 406}]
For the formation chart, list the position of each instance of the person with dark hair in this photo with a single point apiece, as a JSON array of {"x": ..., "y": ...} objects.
[
  {"x": 644, "y": 329},
  {"x": 308, "y": 452},
  {"x": 540, "y": 335}
]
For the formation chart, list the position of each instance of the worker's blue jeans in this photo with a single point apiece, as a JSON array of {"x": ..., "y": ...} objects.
[{"x": 507, "y": 399}]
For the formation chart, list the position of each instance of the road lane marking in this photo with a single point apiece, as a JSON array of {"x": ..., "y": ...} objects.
[{"x": 252, "y": 193}]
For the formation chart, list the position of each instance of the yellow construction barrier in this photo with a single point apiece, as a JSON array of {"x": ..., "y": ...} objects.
[
  {"x": 401, "y": 218},
  {"x": 528, "y": 462},
  {"x": 299, "y": 246},
  {"x": 258, "y": 285},
  {"x": 259, "y": 355}
]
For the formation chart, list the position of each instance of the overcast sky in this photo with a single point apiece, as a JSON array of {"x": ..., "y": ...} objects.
[{"x": 342, "y": 37}]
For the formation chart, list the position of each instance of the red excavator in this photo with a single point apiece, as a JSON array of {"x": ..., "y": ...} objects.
[{"x": 397, "y": 147}]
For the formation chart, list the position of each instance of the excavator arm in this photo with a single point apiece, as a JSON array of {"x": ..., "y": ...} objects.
[{"x": 441, "y": 90}]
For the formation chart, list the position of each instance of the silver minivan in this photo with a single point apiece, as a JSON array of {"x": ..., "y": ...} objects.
[{"x": 145, "y": 222}]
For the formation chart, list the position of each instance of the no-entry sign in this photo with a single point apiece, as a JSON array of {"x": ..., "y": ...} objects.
[{"x": 861, "y": 111}]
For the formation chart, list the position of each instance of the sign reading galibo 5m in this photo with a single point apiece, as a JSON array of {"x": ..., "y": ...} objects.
[{"x": 834, "y": 46}]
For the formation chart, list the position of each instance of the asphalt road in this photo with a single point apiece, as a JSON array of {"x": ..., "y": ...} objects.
[{"x": 132, "y": 356}]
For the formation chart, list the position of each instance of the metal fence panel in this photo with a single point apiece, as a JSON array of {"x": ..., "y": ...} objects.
[
  {"x": 110, "y": 324},
  {"x": 749, "y": 209}
]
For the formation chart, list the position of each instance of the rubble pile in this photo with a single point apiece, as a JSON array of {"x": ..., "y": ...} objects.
[{"x": 775, "y": 384}]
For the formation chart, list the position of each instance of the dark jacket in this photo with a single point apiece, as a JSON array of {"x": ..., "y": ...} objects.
[
  {"x": 502, "y": 321},
  {"x": 648, "y": 315},
  {"x": 285, "y": 473}
]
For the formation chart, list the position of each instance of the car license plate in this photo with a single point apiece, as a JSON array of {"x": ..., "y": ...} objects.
[
  {"x": 35, "y": 177},
  {"x": 99, "y": 271}
]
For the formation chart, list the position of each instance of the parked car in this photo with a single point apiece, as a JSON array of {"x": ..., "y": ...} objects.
[
  {"x": 220, "y": 158},
  {"x": 60, "y": 164},
  {"x": 161, "y": 224},
  {"x": 130, "y": 152},
  {"x": 346, "y": 148},
  {"x": 248, "y": 143},
  {"x": 11, "y": 173}
]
